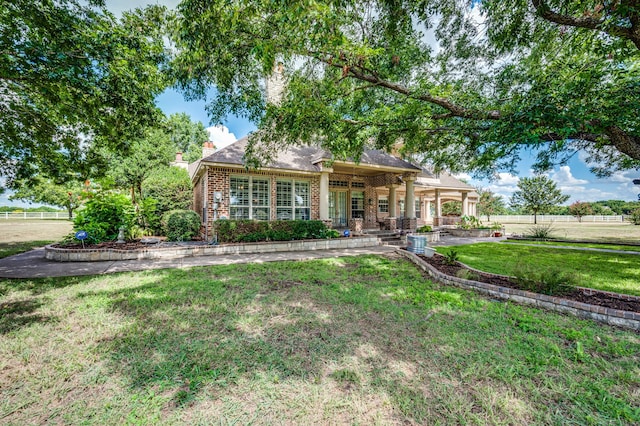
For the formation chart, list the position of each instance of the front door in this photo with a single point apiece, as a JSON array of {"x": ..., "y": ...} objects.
[{"x": 338, "y": 208}]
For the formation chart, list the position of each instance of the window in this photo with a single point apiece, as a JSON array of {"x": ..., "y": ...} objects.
[
  {"x": 383, "y": 204},
  {"x": 339, "y": 183},
  {"x": 357, "y": 184},
  {"x": 357, "y": 204},
  {"x": 292, "y": 200},
  {"x": 418, "y": 208},
  {"x": 249, "y": 198}
]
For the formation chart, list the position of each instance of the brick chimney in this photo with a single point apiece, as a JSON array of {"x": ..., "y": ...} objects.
[
  {"x": 179, "y": 162},
  {"x": 208, "y": 148},
  {"x": 274, "y": 84}
]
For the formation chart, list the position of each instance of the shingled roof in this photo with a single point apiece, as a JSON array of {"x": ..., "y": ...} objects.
[{"x": 301, "y": 158}]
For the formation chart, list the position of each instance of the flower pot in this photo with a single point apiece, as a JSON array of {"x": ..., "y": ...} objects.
[{"x": 497, "y": 234}]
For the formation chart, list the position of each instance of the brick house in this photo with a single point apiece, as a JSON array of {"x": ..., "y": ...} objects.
[{"x": 381, "y": 191}]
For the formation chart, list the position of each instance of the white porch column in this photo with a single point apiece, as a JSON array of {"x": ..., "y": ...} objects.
[
  {"x": 438, "y": 205},
  {"x": 427, "y": 215},
  {"x": 392, "y": 200},
  {"x": 324, "y": 195},
  {"x": 409, "y": 199},
  {"x": 465, "y": 204}
]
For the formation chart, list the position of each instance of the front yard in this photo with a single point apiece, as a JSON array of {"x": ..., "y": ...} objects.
[
  {"x": 617, "y": 272},
  {"x": 366, "y": 340}
]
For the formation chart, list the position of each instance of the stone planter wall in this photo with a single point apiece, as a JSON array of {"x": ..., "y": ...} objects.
[
  {"x": 432, "y": 237},
  {"x": 176, "y": 252},
  {"x": 598, "y": 313},
  {"x": 471, "y": 233}
]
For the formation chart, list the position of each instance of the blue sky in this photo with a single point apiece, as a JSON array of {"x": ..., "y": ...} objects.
[{"x": 573, "y": 179}]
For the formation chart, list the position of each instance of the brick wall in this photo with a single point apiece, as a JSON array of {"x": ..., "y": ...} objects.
[{"x": 218, "y": 179}]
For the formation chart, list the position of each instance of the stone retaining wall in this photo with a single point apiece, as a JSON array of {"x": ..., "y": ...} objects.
[
  {"x": 599, "y": 313},
  {"x": 175, "y": 252}
]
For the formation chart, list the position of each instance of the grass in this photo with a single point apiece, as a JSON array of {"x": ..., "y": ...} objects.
[
  {"x": 600, "y": 232},
  {"x": 364, "y": 340},
  {"x": 25, "y": 230},
  {"x": 617, "y": 272},
  {"x": 9, "y": 249},
  {"x": 572, "y": 244}
]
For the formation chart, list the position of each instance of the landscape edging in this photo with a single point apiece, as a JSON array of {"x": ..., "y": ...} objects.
[
  {"x": 610, "y": 316},
  {"x": 61, "y": 254}
]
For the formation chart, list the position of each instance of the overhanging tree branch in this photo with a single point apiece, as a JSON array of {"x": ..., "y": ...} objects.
[{"x": 592, "y": 22}]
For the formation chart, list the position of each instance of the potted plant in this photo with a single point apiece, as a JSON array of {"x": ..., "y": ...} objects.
[{"x": 497, "y": 229}]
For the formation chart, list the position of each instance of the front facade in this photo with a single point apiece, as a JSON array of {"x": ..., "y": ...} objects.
[{"x": 381, "y": 191}]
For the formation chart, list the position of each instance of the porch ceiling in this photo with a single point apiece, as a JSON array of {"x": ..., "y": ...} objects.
[{"x": 364, "y": 170}]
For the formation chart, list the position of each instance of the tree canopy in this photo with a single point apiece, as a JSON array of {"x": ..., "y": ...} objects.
[
  {"x": 537, "y": 194},
  {"x": 74, "y": 79},
  {"x": 551, "y": 76},
  {"x": 187, "y": 135}
]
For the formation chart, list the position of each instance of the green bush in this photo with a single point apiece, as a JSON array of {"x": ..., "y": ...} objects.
[
  {"x": 542, "y": 232},
  {"x": 149, "y": 217},
  {"x": 103, "y": 215},
  {"x": 234, "y": 231},
  {"x": 170, "y": 187},
  {"x": 425, "y": 228},
  {"x": 551, "y": 282},
  {"x": 635, "y": 217},
  {"x": 181, "y": 225}
]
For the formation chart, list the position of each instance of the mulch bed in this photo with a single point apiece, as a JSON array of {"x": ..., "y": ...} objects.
[
  {"x": 129, "y": 245},
  {"x": 591, "y": 297}
]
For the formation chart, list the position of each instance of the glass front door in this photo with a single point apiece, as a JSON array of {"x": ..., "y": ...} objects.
[{"x": 338, "y": 208}]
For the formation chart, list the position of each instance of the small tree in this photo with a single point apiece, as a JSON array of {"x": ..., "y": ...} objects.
[
  {"x": 489, "y": 203},
  {"x": 537, "y": 195},
  {"x": 580, "y": 209},
  {"x": 452, "y": 208},
  {"x": 46, "y": 191}
]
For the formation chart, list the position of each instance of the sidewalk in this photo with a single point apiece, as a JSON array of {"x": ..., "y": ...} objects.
[{"x": 33, "y": 264}]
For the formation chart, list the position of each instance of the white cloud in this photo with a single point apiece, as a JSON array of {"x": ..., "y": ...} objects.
[
  {"x": 220, "y": 136},
  {"x": 564, "y": 178},
  {"x": 506, "y": 179},
  {"x": 463, "y": 176}
]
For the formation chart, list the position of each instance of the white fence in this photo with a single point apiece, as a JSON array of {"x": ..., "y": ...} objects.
[
  {"x": 546, "y": 218},
  {"x": 34, "y": 215}
]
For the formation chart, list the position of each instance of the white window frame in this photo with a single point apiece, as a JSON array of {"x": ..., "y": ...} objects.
[
  {"x": 295, "y": 206},
  {"x": 383, "y": 204},
  {"x": 252, "y": 205}
]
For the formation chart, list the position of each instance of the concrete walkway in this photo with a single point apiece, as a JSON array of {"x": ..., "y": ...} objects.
[{"x": 33, "y": 264}]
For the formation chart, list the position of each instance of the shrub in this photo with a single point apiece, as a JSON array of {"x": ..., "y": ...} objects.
[
  {"x": 451, "y": 257},
  {"x": 170, "y": 187},
  {"x": 233, "y": 231},
  {"x": 546, "y": 281},
  {"x": 103, "y": 215},
  {"x": 468, "y": 222},
  {"x": 635, "y": 217},
  {"x": 466, "y": 274},
  {"x": 542, "y": 232},
  {"x": 425, "y": 228},
  {"x": 181, "y": 225},
  {"x": 149, "y": 217}
]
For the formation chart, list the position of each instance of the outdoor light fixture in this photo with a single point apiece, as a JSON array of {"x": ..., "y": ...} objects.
[{"x": 370, "y": 201}]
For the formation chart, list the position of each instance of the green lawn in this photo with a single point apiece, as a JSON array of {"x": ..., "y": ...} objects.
[
  {"x": 9, "y": 249},
  {"x": 572, "y": 244},
  {"x": 365, "y": 340},
  {"x": 617, "y": 272}
]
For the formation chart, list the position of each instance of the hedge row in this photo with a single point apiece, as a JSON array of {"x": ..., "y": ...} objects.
[{"x": 235, "y": 231}]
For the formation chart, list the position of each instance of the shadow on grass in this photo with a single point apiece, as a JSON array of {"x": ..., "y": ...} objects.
[
  {"x": 38, "y": 286},
  {"x": 220, "y": 327},
  {"x": 18, "y": 314}
]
